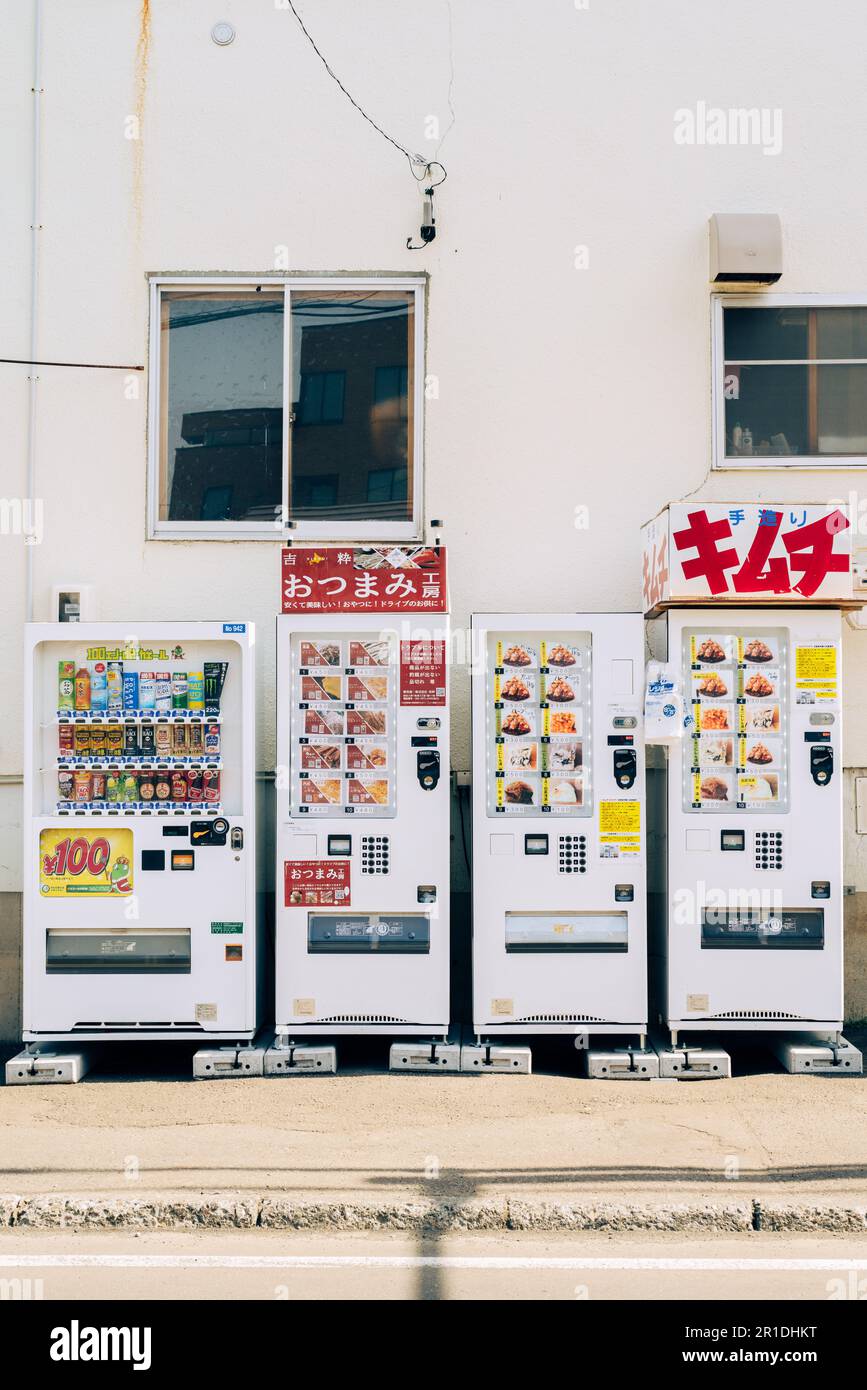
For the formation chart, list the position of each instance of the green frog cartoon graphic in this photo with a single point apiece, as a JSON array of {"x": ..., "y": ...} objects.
[{"x": 119, "y": 875}]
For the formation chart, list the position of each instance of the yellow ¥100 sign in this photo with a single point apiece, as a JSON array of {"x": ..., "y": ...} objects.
[{"x": 91, "y": 863}]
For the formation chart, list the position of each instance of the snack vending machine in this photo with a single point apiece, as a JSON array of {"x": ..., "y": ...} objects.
[
  {"x": 754, "y": 931},
  {"x": 139, "y": 853},
  {"x": 363, "y": 836},
  {"x": 558, "y": 836}
]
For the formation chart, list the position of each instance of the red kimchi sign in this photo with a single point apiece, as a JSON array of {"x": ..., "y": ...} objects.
[
  {"x": 314, "y": 883},
  {"x": 747, "y": 550},
  {"x": 364, "y": 579}
]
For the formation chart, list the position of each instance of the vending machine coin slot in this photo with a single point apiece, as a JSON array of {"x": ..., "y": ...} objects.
[
  {"x": 428, "y": 768},
  {"x": 431, "y": 723},
  {"x": 821, "y": 765},
  {"x": 625, "y": 767},
  {"x": 209, "y": 832}
]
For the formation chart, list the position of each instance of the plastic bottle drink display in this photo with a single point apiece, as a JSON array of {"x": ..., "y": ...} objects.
[
  {"x": 65, "y": 684},
  {"x": 130, "y": 690},
  {"x": 146, "y": 690},
  {"x": 98, "y": 686},
  {"x": 179, "y": 690},
  {"x": 163, "y": 692},
  {"x": 82, "y": 688},
  {"x": 196, "y": 690}
]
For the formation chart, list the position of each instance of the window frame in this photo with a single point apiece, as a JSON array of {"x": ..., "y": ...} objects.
[
  {"x": 719, "y": 303},
  {"x": 320, "y": 529}
]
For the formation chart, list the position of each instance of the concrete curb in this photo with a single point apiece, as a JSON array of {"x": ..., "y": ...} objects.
[{"x": 226, "y": 1211}]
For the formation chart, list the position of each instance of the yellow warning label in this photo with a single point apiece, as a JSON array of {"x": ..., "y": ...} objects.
[
  {"x": 619, "y": 818},
  {"x": 816, "y": 673},
  {"x": 618, "y": 829}
]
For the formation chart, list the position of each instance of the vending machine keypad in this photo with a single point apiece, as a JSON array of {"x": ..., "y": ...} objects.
[
  {"x": 573, "y": 854},
  {"x": 769, "y": 849},
  {"x": 374, "y": 854}
]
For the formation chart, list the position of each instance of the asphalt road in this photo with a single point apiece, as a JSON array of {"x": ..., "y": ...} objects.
[{"x": 275, "y": 1267}]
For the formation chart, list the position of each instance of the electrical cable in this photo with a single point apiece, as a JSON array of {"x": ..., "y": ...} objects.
[
  {"x": 417, "y": 160},
  {"x": 94, "y": 366}
]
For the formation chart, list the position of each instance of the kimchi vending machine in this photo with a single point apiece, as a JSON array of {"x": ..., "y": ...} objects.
[
  {"x": 558, "y": 833},
  {"x": 753, "y": 934},
  {"x": 362, "y": 939},
  {"x": 755, "y": 823},
  {"x": 139, "y": 854}
]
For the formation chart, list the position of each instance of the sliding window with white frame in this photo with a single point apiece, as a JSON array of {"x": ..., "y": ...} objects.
[{"x": 286, "y": 408}]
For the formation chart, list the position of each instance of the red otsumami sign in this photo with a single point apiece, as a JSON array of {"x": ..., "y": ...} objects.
[
  {"x": 310, "y": 883},
  {"x": 363, "y": 579},
  {"x": 423, "y": 672}
]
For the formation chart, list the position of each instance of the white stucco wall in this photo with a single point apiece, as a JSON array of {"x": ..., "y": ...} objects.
[{"x": 558, "y": 387}]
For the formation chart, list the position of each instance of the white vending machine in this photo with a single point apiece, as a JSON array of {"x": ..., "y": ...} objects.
[
  {"x": 558, "y": 836},
  {"x": 362, "y": 820},
  {"x": 754, "y": 895},
  {"x": 139, "y": 849}
]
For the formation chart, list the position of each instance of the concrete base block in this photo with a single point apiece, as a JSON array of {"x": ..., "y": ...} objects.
[
  {"x": 48, "y": 1067},
  {"x": 228, "y": 1063},
  {"x": 497, "y": 1057},
  {"x": 800, "y": 1056},
  {"x": 694, "y": 1064},
  {"x": 623, "y": 1064},
  {"x": 424, "y": 1057},
  {"x": 304, "y": 1059}
]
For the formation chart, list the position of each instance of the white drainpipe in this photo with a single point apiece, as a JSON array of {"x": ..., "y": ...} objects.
[{"x": 33, "y": 378}]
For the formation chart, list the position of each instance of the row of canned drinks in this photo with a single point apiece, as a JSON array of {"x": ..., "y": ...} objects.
[
  {"x": 124, "y": 788},
  {"x": 134, "y": 740}
]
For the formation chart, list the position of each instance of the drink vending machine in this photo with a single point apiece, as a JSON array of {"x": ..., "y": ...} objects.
[
  {"x": 558, "y": 837},
  {"x": 139, "y": 851},
  {"x": 363, "y": 837},
  {"x": 748, "y": 600}
]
